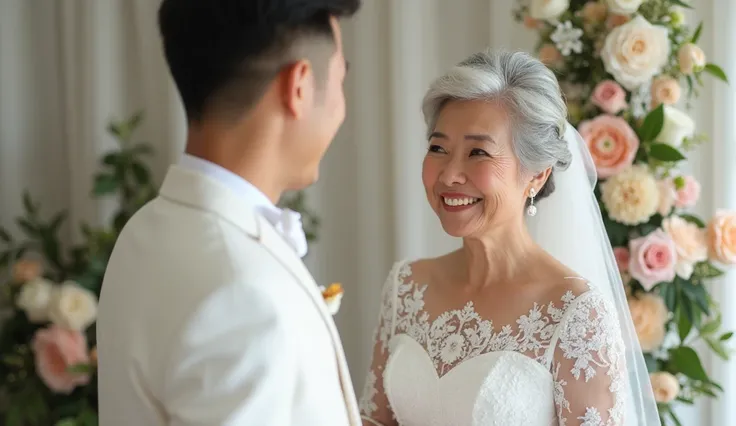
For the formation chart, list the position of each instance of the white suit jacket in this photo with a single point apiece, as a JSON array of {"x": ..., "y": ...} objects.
[{"x": 207, "y": 317}]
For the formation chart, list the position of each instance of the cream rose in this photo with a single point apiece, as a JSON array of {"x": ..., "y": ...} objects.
[
  {"x": 665, "y": 90},
  {"x": 547, "y": 9},
  {"x": 635, "y": 52},
  {"x": 549, "y": 55},
  {"x": 631, "y": 197},
  {"x": 722, "y": 237},
  {"x": 665, "y": 386},
  {"x": 34, "y": 299},
  {"x": 624, "y": 7},
  {"x": 73, "y": 307},
  {"x": 690, "y": 243},
  {"x": 691, "y": 58},
  {"x": 677, "y": 126},
  {"x": 594, "y": 12},
  {"x": 649, "y": 315}
]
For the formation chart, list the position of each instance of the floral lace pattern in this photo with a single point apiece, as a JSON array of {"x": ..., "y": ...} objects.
[{"x": 577, "y": 340}]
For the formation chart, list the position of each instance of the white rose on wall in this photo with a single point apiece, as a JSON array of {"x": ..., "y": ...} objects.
[
  {"x": 73, "y": 307},
  {"x": 548, "y": 9},
  {"x": 677, "y": 127},
  {"x": 691, "y": 58},
  {"x": 635, "y": 52},
  {"x": 624, "y": 7},
  {"x": 34, "y": 299}
]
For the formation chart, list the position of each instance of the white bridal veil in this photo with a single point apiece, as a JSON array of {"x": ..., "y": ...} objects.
[{"x": 570, "y": 227}]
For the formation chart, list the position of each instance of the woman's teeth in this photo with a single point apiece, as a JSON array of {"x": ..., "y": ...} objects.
[{"x": 460, "y": 201}]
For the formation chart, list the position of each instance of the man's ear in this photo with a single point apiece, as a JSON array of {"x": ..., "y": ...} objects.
[
  {"x": 538, "y": 181},
  {"x": 297, "y": 87}
]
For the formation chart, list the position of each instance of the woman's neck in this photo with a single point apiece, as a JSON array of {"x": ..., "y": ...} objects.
[{"x": 501, "y": 255}]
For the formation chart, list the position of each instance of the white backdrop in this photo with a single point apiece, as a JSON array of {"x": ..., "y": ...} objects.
[{"x": 69, "y": 66}]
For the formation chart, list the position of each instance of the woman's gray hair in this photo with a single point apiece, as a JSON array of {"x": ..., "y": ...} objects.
[{"x": 530, "y": 94}]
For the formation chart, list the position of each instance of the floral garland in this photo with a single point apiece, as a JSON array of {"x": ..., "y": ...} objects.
[{"x": 622, "y": 65}]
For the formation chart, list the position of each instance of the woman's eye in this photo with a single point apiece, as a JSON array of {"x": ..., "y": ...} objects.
[
  {"x": 436, "y": 148},
  {"x": 478, "y": 151}
]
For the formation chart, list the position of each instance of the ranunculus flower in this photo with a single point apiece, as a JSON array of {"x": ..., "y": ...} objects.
[
  {"x": 689, "y": 193},
  {"x": 722, "y": 237},
  {"x": 665, "y": 386},
  {"x": 73, "y": 307},
  {"x": 56, "y": 349},
  {"x": 690, "y": 243},
  {"x": 26, "y": 270},
  {"x": 624, "y": 7},
  {"x": 34, "y": 299},
  {"x": 631, "y": 197},
  {"x": 667, "y": 196},
  {"x": 635, "y": 52},
  {"x": 547, "y": 9},
  {"x": 653, "y": 259},
  {"x": 677, "y": 126},
  {"x": 609, "y": 96},
  {"x": 622, "y": 258},
  {"x": 665, "y": 90},
  {"x": 649, "y": 315},
  {"x": 612, "y": 143},
  {"x": 691, "y": 58},
  {"x": 549, "y": 55}
]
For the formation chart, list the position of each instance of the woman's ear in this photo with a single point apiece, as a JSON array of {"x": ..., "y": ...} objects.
[{"x": 538, "y": 181}]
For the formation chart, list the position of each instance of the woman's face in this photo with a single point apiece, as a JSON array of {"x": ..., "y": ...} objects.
[{"x": 470, "y": 173}]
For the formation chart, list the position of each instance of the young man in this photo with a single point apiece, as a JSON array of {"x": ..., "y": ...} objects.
[{"x": 207, "y": 314}]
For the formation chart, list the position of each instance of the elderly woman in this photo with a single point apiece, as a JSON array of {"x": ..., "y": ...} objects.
[{"x": 499, "y": 332}]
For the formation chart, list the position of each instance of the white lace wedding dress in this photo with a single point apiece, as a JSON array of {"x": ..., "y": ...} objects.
[{"x": 561, "y": 363}]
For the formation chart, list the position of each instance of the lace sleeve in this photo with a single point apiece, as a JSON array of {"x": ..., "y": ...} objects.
[
  {"x": 374, "y": 406},
  {"x": 588, "y": 365}
]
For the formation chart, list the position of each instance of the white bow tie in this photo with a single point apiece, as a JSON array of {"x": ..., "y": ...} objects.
[{"x": 289, "y": 225}]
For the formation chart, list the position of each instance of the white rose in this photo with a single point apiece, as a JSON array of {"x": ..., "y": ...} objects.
[
  {"x": 548, "y": 9},
  {"x": 691, "y": 58},
  {"x": 34, "y": 299},
  {"x": 624, "y": 7},
  {"x": 73, "y": 307},
  {"x": 635, "y": 52},
  {"x": 333, "y": 302},
  {"x": 677, "y": 126}
]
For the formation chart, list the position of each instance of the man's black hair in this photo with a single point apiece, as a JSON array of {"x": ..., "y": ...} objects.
[{"x": 223, "y": 54}]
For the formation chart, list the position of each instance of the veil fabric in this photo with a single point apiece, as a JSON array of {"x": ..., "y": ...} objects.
[{"x": 569, "y": 226}]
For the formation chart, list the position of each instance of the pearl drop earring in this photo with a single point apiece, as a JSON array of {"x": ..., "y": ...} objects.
[{"x": 532, "y": 209}]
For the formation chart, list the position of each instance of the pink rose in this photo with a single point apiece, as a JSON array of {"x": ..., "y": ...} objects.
[
  {"x": 609, "y": 96},
  {"x": 622, "y": 258},
  {"x": 56, "y": 349},
  {"x": 687, "y": 192},
  {"x": 612, "y": 143},
  {"x": 653, "y": 259}
]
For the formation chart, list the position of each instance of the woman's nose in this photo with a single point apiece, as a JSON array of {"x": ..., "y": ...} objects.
[{"x": 453, "y": 173}]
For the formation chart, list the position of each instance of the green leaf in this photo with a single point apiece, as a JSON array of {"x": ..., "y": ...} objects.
[
  {"x": 80, "y": 369},
  {"x": 675, "y": 418},
  {"x": 105, "y": 184},
  {"x": 707, "y": 270},
  {"x": 699, "y": 295},
  {"x": 14, "y": 417},
  {"x": 29, "y": 228},
  {"x": 5, "y": 259},
  {"x": 57, "y": 221},
  {"x": 669, "y": 294},
  {"x": 687, "y": 361},
  {"x": 684, "y": 325},
  {"x": 28, "y": 205},
  {"x": 696, "y": 35},
  {"x": 141, "y": 173},
  {"x": 680, "y": 3},
  {"x": 693, "y": 219},
  {"x": 650, "y": 362},
  {"x": 718, "y": 348},
  {"x": 726, "y": 336},
  {"x": 716, "y": 72},
  {"x": 88, "y": 418},
  {"x": 652, "y": 125},
  {"x": 684, "y": 400},
  {"x": 5, "y": 235},
  {"x": 69, "y": 421},
  {"x": 711, "y": 326},
  {"x": 111, "y": 159},
  {"x": 142, "y": 148},
  {"x": 664, "y": 152}
]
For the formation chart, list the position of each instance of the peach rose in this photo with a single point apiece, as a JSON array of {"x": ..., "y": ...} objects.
[
  {"x": 549, "y": 55},
  {"x": 622, "y": 258},
  {"x": 653, "y": 259},
  {"x": 722, "y": 237},
  {"x": 609, "y": 96},
  {"x": 594, "y": 12},
  {"x": 649, "y": 315},
  {"x": 26, "y": 270},
  {"x": 56, "y": 349},
  {"x": 690, "y": 243},
  {"x": 688, "y": 192},
  {"x": 614, "y": 20},
  {"x": 665, "y": 386},
  {"x": 531, "y": 23},
  {"x": 665, "y": 90},
  {"x": 612, "y": 143},
  {"x": 667, "y": 196},
  {"x": 691, "y": 58}
]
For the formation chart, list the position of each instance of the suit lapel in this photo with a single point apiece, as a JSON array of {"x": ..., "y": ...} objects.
[{"x": 198, "y": 190}]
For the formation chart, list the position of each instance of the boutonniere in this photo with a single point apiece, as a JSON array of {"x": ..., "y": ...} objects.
[{"x": 333, "y": 297}]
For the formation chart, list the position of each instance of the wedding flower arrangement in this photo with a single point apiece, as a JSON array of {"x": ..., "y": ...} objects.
[
  {"x": 50, "y": 291},
  {"x": 629, "y": 70}
]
